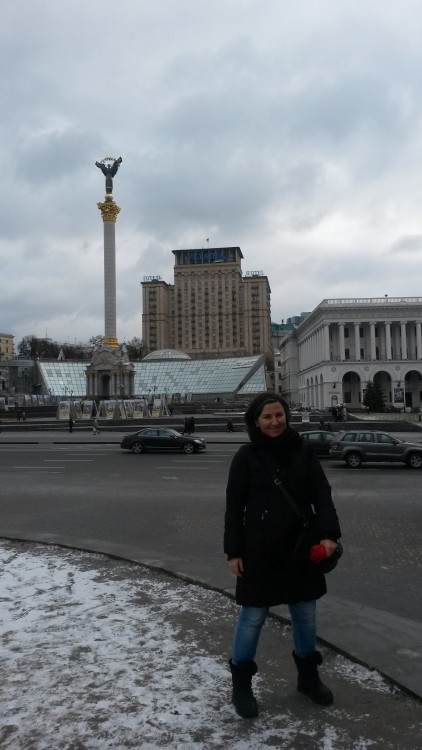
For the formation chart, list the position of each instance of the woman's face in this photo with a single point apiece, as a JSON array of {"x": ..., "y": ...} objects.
[{"x": 272, "y": 420}]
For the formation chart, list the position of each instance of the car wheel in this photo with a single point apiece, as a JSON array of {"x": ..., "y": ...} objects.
[
  {"x": 137, "y": 448},
  {"x": 188, "y": 448},
  {"x": 414, "y": 461},
  {"x": 354, "y": 460}
]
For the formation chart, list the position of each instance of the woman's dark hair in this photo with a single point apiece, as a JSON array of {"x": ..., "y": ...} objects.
[{"x": 256, "y": 406}]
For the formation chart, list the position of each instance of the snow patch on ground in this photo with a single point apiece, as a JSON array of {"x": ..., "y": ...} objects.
[{"x": 99, "y": 654}]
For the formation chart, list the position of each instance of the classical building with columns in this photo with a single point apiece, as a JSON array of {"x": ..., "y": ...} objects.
[{"x": 344, "y": 343}]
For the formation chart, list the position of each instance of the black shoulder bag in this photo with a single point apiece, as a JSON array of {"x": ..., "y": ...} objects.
[{"x": 307, "y": 535}]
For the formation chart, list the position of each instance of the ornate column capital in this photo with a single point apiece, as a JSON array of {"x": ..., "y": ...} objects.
[
  {"x": 109, "y": 209},
  {"x": 111, "y": 341}
]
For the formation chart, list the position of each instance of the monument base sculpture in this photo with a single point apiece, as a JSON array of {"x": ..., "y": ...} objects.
[{"x": 110, "y": 374}]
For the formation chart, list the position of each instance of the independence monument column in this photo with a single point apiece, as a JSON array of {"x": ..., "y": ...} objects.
[{"x": 109, "y": 210}]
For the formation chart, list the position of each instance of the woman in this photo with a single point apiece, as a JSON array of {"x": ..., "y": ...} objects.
[{"x": 261, "y": 531}]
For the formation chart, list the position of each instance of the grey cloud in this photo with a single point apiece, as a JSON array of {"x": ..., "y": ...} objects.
[
  {"x": 47, "y": 157},
  {"x": 408, "y": 244}
]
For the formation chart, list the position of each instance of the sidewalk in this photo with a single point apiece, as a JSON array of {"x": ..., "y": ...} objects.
[{"x": 100, "y": 654}]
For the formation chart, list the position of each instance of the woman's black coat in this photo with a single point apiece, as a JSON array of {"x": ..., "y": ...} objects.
[{"x": 262, "y": 528}]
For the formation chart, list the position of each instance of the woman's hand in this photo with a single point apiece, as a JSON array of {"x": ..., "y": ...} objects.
[
  {"x": 236, "y": 566},
  {"x": 330, "y": 546}
]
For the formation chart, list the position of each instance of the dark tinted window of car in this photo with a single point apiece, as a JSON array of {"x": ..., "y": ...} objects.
[
  {"x": 366, "y": 437},
  {"x": 314, "y": 436},
  {"x": 386, "y": 439},
  {"x": 327, "y": 436},
  {"x": 349, "y": 437}
]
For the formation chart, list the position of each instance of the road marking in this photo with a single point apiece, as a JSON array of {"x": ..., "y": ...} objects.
[
  {"x": 39, "y": 467},
  {"x": 182, "y": 468},
  {"x": 68, "y": 460},
  {"x": 197, "y": 461},
  {"x": 91, "y": 454},
  {"x": 170, "y": 478}
]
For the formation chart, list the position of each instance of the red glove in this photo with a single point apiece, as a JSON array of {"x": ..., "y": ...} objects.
[{"x": 317, "y": 553}]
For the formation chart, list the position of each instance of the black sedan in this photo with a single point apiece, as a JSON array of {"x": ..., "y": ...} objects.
[
  {"x": 321, "y": 440},
  {"x": 161, "y": 439}
]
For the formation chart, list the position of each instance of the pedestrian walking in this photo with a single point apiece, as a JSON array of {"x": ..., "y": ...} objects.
[
  {"x": 261, "y": 538},
  {"x": 95, "y": 427},
  {"x": 70, "y": 424}
]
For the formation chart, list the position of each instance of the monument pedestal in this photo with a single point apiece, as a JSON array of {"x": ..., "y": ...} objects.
[{"x": 110, "y": 374}]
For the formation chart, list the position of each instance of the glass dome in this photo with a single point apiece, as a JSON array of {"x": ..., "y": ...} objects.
[{"x": 161, "y": 354}]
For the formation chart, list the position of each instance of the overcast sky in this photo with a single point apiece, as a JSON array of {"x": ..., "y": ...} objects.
[{"x": 290, "y": 128}]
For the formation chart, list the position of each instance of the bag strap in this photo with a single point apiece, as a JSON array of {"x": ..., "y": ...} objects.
[{"x": 275, "y": 475}]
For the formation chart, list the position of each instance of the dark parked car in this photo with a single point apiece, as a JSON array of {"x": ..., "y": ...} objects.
[
  {"x": 321, "y": 441},
  {"x": 161, "y": 439},
  {"x": 358, "y": 446}
]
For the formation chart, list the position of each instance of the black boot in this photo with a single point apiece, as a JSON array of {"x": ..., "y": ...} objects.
[
  {"x": 242, "y": 695},
  {"x": 308, "y": 680}
]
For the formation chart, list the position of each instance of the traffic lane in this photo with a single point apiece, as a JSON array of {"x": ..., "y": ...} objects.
[
  {"x": 168, "y": 510},
  {"x": 160, "y": 508},
  {"x": 380, "y": 514}
]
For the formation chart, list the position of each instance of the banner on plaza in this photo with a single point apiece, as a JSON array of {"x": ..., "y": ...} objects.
[
  {"x": 138, "y": 408},
  {"x": 156, "y": 408},
  {"x": 63, "y": 410},
  {"x": 77, "y": 409},
  {"x": 398, "y": 396},
  {"x": 88, "y": 409},
  {"x": 109, "y": 407},
  {"x": 128, "y": 407}
]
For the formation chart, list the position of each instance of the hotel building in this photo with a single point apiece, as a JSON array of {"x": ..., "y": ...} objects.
[{"x": 211, "y": 309}]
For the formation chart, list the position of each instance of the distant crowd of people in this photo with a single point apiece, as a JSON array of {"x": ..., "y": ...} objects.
[{"x": 339, "y": 413}]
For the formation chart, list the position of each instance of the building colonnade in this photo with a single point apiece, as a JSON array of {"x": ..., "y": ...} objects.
[
  {"x": 361, "y": 341},
  {"x": 106, "y": 384}
]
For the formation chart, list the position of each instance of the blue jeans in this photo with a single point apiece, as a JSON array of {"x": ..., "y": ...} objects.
[{"x": 251, "y": 620}]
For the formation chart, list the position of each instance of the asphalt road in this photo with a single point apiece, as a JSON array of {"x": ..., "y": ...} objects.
[{"x": 167, "y": 510}]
